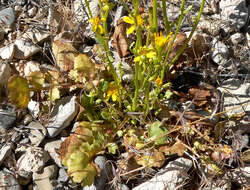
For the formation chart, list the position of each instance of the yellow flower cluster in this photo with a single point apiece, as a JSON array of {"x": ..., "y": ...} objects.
[
  {"x": 161, "y": 40},
  {"x": 96, "y": 25},
  {"x": 130, "y": 20},
  {"x": 145, "y": 52}
]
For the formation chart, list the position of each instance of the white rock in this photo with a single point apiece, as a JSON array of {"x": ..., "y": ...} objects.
[
  {"x": 25, "y": 49},
  {"x": 241, "y": 176},
  {"x": 5, "y": 152},
  {"x": 51, "y": 148},
  {"x": 220, "y": 52},
  {"x": 5, "y": 73},
  {"x": 34, "y": 108},
  {"x": 36, "y": 36},
  {"x": 175, "y": 174},
  {"x": 8, "y": 180},
  {"x": 235, "y": 93},
  {"x": 43, "y": 180},
  {"x": 7, "y": 52},
  {"x": 31, "y": 66},
  {"x": 237, "y": 38},
  {"x": 63, "y": 116},
  {"x": 7, "y": 17},
  {"x": 235, "y": 12},
  {"x": 248, "y": 40},
  {"x": 33, "y": 160}
]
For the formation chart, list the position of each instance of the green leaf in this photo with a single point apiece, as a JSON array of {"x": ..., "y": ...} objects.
[
  {"x": 187, "y": 9},
  {"x": 36, "y": 79},
  {"x": 156, "y": 132},
  {"x": 112, "y": 148},
  {"x": 19, "y": 92}
]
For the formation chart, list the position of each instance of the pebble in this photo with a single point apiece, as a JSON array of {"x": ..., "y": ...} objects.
[
  {"x": 237, "y": 38},
  {"x": 235, "y": 12},
  {"x": 33, "y": 160},
  {"x": 5, "y": 152},
  {"x": 7, "y": 117},
  {"x": 173, "y": 175},
  {"x": 5, "y": 73},
  {"x": 220, "y": 52},
  {"x": 25, "y": 49},
  {"x": 235, "y": 94},
  {"x": 63, "y": 113},
  {"x": 7, "y": 17},
  {"x": 7, "y": 52},
  {"x": 43, "y": 180},
  {"x": 8, "y": 179},
  {"x": 31, "y": 66},
  {"x": 52, "y": 147}
]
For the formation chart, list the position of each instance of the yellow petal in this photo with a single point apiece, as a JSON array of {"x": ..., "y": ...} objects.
[
  {"x": 101, "y": 29},
  {"x": 151, "y": 54},
  {"x": 130, "y": 30},
  {"x": 128, "y": 20},
  {"x": 137, "y": 59},
  {"x": 114, "y": 97}
]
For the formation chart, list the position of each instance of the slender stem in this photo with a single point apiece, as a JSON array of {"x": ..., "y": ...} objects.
[
  {"x": 190, "y": 35},
  {"x": 166, "y": 22},
  {"x": 135, "y": 99},
  {"x": 155, "y": 15},
  {"x": 87, "y": 4},
  {"x": 172, "y": 41}
]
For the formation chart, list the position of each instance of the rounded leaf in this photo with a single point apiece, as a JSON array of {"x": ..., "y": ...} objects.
[{"x": 18, "y": 91}]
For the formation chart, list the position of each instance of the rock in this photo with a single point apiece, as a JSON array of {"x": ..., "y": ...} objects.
[
  {"x": 51, "y": 148},
  {"x": 62, "y": 115},
  {"x": 118, "y": 14},
  {"x": 8, "y": 180},
  {"x": 5, "y": 73},
  {"x": 237, "y": 38},
  {"x": 43, "y": 179},
  {"x": 241, "y": 176},
  {"x": 36, "y": 36},
  {"x": 31, "y": 66},
  {"x": 5, "y": 152},
  {"x": 34, "y": 108},
  {"x": 220, "y": 52},
  {"x": 27, "y": 119},
  {"x": 37, "y": 133},
  {"x": 25, "y": 49},
  {"x": 173, "y": 175},
  {"x": 2, "y": 32},
  {"x": 218, "y": 184},
  {"x": 7, "y": 117},
  {"x": 235, "y": 12},
  {"x": 33, "y": 160},
  {"x": 235, "y": 94},
  {"x": 62, "y": 176},
  {"x": 32, "y": 12},
  {"x": 7, "y": 17},
  {"x": 7, "y": 52}
]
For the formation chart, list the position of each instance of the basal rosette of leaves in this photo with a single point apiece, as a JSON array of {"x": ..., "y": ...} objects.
[{"x": 78, "y": 150}]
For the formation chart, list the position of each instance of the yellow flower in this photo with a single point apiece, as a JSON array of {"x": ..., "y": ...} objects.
[
  {"x": 161, "y": 40},
  {"x": 158, "y": 81},
  {"x": 96, "y": 25},
  {"x": 130, "y": 20},
  {"x": 112, "y": 92},
  {"x": 145, "y": 52}
]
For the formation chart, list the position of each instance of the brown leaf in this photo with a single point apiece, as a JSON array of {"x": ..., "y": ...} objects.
[
  {"x": 178, "y": 43},
  {"x": 153, "y": 158},
  {"x": 64, "y": 54},
  {"x": 200, "y": 96},
  {"x": 119, "y": 39},
  {"x": 178, "y": 148}
]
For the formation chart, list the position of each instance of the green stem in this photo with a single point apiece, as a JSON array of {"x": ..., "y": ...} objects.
[
  {"x": 190, "y": 35},
  {"x": 87, "y": 4},
  {"x": 166, "y": 22},
  {"x": 172, "y": 42},
  {"x": 135, "y": 99},
  {"x": 155, "y": 16}
]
